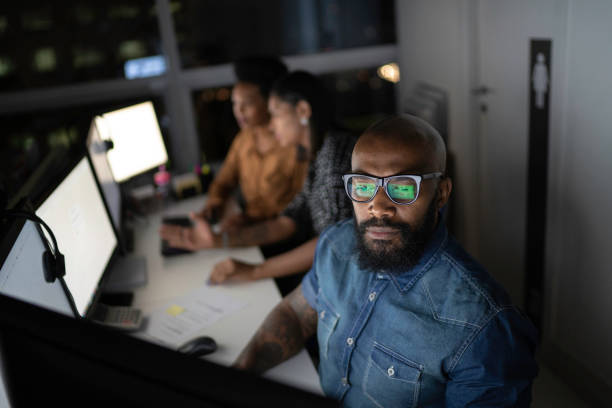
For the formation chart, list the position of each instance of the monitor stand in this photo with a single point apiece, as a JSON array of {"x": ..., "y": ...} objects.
[{"x": 127, "y": 273}]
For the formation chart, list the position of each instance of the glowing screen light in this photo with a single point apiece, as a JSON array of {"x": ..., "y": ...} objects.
[
  {"x": 76, "y": 214},
  {"x": 403, "y": 192},
  {"x": 364, "y": 189},
  {"x": 137, "y": 141},
  {"x": 389, "y": 72},
  {"x": 145, "y": 67}
]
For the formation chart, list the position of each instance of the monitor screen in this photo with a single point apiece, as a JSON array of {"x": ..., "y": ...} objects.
[
  {"x": 22, "y": 272},
  {"x": 138, "y": 145},
  {"x": 110, "y": 189},
  {"x": 76, "y": 214}
]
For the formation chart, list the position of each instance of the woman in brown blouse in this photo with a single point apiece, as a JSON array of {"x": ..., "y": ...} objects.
[
  {"x": 299, "y": 106},
  {"x": 269, "y": 175}
]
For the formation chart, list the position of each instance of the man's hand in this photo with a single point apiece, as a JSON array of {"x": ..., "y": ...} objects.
[
  {"x": 200, "y": 236},
  {"x": 232, "y": 270}
]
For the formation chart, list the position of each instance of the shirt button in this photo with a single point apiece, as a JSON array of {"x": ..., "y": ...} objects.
[
  {"x": 322, "y": 314},
  {"x": 372, "y": 296},
  {"x": 349, "y": 341},
  {"x": 344, "y": 381},
  {"x": 391, "y": 371}
]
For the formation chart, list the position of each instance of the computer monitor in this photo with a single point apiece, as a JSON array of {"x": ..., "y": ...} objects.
[
  {"x": 137, "y": 141},
  {"x": 96, "y": 149},
  {"x": 129, "y": 271},
  {"x": 22, "y": 269},
  {"x": 76, "y": 214},
  {"x": 52, "y": 360}
]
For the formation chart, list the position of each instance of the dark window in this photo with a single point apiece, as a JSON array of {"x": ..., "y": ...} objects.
[
  {"x": 215, "y": 121},
  {"x": 212, "y": 32},
  {"x": 57, "y": 135},
  {"x": 360, "y": 97},
  {"x": 45, "y": 44}
]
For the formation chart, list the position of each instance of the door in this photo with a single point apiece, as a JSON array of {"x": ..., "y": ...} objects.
[{"x": 504, "y": 30}]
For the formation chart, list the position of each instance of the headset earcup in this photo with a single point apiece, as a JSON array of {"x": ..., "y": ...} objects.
[
  {"x": 60, "y": 265},
  {"x": 50, "y": 266}
]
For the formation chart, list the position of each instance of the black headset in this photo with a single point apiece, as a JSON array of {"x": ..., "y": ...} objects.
[{"x": 53, "y": 260}]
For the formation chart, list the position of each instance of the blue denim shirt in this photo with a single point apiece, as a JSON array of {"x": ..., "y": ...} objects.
[{"x": 440, "y": 334}]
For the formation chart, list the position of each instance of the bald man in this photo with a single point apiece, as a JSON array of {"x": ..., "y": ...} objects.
[{"x": 403, "y": 315}]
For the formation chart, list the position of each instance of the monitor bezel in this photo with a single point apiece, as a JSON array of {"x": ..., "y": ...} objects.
[
  {"x": 11, "y": 230},
  {"x": 34, "y": 340},
  {"x": 116, "y": 228}
]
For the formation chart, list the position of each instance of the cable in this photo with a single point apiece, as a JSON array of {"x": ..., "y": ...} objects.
[{"x": 53, "y": 258}]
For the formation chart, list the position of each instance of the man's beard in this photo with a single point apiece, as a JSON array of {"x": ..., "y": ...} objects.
[{"x": 377, "y": 255}]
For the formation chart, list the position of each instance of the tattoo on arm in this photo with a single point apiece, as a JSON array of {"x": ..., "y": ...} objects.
[
  {"x": 282, "y": 334},
  {"x": 268, "y": 355},
  {"x": 306, "y": 315}
]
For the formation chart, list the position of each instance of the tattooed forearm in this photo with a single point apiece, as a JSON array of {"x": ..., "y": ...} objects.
[
  {"x": 281, "y": 336},
  {"x": 305, "y": 314},
  {"x": 269, "y": 355}
]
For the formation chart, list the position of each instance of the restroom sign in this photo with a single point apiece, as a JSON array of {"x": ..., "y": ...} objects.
[
  {"x": 540, "y": 73},
  {"x": 540, "y": 94}
]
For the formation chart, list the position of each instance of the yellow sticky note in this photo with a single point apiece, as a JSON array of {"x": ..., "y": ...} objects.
[{"x": 175, "y": 310}]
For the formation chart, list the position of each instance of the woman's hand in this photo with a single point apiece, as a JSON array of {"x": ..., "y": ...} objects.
[
  {"x": 232, "y": 270},
  {"x": 199, "y": 236}
]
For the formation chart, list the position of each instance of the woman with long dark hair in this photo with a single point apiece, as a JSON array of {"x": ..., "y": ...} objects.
[{"x": 300, "y": 117}]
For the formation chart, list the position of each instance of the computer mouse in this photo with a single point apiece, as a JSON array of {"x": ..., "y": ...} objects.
[{"x": 198, "y": 346}]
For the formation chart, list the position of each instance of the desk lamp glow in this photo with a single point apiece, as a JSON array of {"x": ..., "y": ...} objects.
[{"x": 136, "y": 139}]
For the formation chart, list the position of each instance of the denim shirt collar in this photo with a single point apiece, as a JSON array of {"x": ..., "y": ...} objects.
[{"x": 405, "y": 279}]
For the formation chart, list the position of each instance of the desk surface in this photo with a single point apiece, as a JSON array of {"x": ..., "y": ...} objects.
[{"x": 169, "y": 278}]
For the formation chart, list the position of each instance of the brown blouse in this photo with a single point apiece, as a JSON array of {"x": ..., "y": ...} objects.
[{"x": 269, "y": 177}]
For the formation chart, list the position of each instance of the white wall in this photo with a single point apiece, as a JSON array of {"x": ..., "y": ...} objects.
[
  {"x": 579, "y": 260},
  {"x": 433, "y": 47},
  {"x": 438, "y": 42}
]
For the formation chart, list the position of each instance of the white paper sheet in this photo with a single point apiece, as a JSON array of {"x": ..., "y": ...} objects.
[{"x": 179, "y": 320}]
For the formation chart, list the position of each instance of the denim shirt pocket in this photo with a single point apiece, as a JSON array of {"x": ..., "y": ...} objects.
[
  {"x": 391, "y": 380},
  {"x": 327, "y": 321}
]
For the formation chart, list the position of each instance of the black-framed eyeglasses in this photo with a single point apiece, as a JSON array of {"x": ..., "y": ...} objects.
[{"x": 402, "y": 189}]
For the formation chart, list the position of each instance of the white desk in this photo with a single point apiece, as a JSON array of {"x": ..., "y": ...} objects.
[{"x": 169, "y": 278}]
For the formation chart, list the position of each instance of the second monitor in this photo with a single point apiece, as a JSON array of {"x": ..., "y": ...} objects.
[{"x": 137, "y": 143}]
